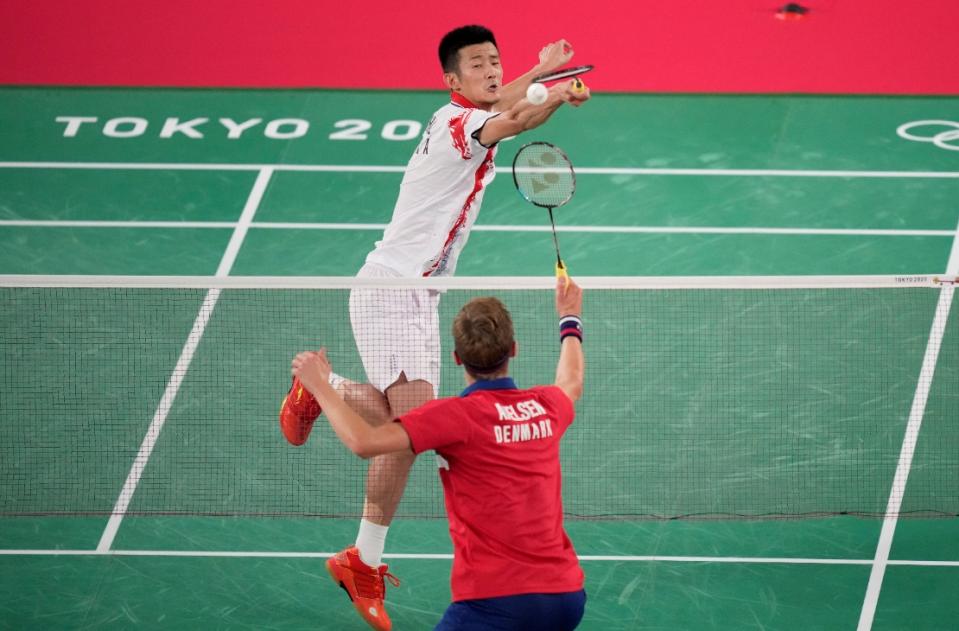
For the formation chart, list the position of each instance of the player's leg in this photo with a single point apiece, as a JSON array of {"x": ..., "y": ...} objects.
[
  {"x": 364, "y": 582},
  {"x": 387, "y": 474},
  {"x": 417, "y": 352},
  {"x": 357, "y": 569},
  {"x": 388, "y": 329},
  {"x": 366, "y": 401},
  {"x": 397, "y": 334}
]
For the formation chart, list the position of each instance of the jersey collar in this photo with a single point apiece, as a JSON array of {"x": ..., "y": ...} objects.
[
  {"x": 503, "y": 383},
  {"x": 458, "y": 99}
]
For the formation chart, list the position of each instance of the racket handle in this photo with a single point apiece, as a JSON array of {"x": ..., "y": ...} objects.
[{"x": 561, "y": 272}]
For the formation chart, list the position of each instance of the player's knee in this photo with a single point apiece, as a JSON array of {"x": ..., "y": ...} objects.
[
  {"x": 405, "y": 396},
  {"x": 368, "y": 402}
]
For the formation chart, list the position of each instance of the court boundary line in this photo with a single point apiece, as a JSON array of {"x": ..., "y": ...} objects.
[
  {"x": 937, "y": 331},
  {"x": 449, "y": 556},
  {"x": 345, "y": 168},
  {"x": 280, "y": 225},
  {"x": 182, "y": 365}
]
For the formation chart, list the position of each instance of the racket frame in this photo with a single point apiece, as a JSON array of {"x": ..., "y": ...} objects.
[
  {"x": 560, "y": 266},
  {"x": 562, "y": 73}
]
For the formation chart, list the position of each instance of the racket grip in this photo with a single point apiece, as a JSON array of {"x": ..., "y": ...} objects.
[{"x": 561, "y": 272}]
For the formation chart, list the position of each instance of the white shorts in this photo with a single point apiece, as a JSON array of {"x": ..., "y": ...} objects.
[{"x": 396, "y": 330}]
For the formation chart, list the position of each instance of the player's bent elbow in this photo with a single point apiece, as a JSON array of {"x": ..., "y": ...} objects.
[
  {"x": 371, "y": 451},
  {"x": 380, "y": 440},
  {"x": 365, "y": 449},
  {"x": 365, "y": 454},
  {"x": 356, "y": 446},
  {"x": 362, "y": 445},
  {"x": 359, "y": 443}
]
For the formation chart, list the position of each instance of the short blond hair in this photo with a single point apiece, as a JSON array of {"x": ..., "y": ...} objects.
[{"x": 483, "y": 335}]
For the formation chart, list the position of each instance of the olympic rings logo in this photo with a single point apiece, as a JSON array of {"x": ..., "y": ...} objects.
[{"x": 941, "y": 139}]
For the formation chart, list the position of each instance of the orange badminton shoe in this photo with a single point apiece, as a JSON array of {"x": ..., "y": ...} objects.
[
  {"x": 297, "y": 413},
  {"x": 364, "y": 585}
]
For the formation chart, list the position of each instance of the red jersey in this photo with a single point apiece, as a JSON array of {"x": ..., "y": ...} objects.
[{"x": 503, "y": 487}]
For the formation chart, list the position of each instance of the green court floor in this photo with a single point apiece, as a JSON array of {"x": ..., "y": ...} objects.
[{"x": 162, "y": 182}]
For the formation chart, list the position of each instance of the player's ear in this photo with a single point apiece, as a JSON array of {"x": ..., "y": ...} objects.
[
  {"x": 456, "y": 358},
  {"x": 514, "y": 350},
  {"x": 452, "y": 81}
]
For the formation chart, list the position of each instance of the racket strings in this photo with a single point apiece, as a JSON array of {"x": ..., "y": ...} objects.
[{"x": 544, "y": 175}]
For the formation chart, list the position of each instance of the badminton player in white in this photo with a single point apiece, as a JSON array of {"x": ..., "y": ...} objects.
[{"x": 397, "y": 332}]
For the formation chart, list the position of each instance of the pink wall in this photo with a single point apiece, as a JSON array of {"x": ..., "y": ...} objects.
[{"x": 844, "y": 46}]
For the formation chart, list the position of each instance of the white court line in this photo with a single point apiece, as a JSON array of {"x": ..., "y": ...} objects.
[
  {"x": 243, "y": 225},
  {"x": 768, "y": 173},
  {"x": 952, "y": 266},
  {"x": 186, "y": 166},
  {"x": 273, "y": 225},
  {"x": 182, "y": 365},
  {"x": 926, "y": 373},
  {"x": 633, "y": 229},
  {"x": 98, "y": 223},
  {"x": 353, "y": 168},
  {"x": 159, "y": 418},
  {"x": 424, "y": 556}
]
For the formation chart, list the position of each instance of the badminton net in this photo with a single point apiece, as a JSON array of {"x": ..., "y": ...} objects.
[{"x": 705, "y": 397}]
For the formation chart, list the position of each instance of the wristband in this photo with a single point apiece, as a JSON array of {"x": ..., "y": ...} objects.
[{"x": 570, "y": 326}]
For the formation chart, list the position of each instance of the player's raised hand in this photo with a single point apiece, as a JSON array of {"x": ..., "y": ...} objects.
[
  {"x": 574, "y": 91},
  {"x": 312, "y": 367},
  {"x": 555, "y": 55},
  {"x": 569, "y": 298}
]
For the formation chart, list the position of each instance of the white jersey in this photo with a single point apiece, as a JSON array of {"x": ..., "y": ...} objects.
[{"x": 440, "y": 196}]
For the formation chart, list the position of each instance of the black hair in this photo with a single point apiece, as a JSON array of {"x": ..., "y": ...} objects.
[{"x": 459, "y": 38}]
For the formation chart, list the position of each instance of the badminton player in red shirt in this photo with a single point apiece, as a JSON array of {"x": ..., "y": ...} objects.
[{"x": 514, "y": 567}]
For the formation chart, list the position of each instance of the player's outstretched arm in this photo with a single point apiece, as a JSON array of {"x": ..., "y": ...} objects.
[
  {"x": 553, "y": 56},
  {"x": 571, "y": 367},
  {"x": 524, "y": 116},
  {"x": 364, "y": 440}
]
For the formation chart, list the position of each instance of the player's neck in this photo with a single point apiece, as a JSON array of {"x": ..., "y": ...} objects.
[
  {"x": 459, "y": 99},
  {"x": 470, "y": 379}
]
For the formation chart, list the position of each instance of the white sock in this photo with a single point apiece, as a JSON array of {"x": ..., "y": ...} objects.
[{"x": 370, "y": 541}]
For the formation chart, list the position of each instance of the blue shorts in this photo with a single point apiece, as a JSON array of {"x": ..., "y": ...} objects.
[{"x": 524, "y": 612}]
